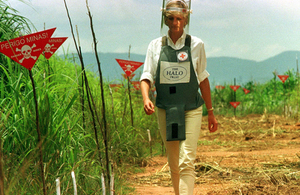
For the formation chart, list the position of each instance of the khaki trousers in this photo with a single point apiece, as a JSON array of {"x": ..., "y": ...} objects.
[{"x": 182, "y": 154}]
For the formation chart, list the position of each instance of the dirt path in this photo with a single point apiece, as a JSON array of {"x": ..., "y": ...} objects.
[{"x": 251, "y": 155}]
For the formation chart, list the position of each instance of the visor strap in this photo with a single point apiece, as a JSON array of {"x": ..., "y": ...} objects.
[{"x": 183, "y": 10}]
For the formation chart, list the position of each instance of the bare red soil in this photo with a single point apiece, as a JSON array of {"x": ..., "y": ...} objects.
[{"x": 257, "y": 154}]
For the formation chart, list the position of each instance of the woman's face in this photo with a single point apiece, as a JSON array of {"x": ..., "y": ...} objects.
[{"x": 176, "y": 23}]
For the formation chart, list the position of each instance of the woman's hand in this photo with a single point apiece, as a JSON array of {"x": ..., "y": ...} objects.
[
  {"x": 212, "y": 123},
  {"x": 205, "y": 91},
  {"x": 148, "y": 107}
]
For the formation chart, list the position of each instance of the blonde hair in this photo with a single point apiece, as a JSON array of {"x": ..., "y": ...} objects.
[{"x": 183, "y": 10}]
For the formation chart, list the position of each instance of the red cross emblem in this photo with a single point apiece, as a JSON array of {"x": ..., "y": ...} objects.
[{"x": 182, "y": 56}]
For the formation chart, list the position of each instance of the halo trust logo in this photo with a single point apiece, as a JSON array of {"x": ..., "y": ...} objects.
[{"x": 175, "y": 73}]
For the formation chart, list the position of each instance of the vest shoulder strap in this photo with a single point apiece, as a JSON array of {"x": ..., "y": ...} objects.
[
  {"x": 187, "y": 41},
  {"x": 164, "y": 41}
]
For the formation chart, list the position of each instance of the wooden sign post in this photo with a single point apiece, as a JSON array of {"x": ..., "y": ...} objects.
[
  {"x": 234, "y": 103},
  {"x": 283, "y": 78},
  {"x": 129, "y": 67}
]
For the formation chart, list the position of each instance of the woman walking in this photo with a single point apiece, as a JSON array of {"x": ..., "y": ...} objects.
[{"x": 176, "y": 63}]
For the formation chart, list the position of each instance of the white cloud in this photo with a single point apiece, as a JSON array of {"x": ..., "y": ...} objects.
[
  {"x": 288, "y": 8},
  {"x": 213, "y": 51},
  {"x": 251, "y": 29}
]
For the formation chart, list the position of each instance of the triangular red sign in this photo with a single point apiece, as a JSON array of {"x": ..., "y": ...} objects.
[
  {"x": 26, "y": 50},
  {"x": 116, "y": 87},
  {"x": 129, "y": 66},
  {"x": 283, "y": 78},
  {"x": 246, "y": 90},
  {"x": 136, "y": 84},
  {"x": 220, "y": 87},
  {"x": 234, "y": 87},
  {"x": 235, "y": 104},
  {"x": 130, "y": 77},
  {"x": 53, "y": 45}
]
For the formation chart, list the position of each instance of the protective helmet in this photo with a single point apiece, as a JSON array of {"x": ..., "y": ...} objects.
[{"x": 175, "y": 7}]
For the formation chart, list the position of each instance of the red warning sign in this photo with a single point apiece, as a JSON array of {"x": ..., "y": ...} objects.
[
  {"x": 115, "y": 87},
  {"x": 136, "y": 84},
  {"x": 283, "y": 78},
  {"x": 129, "y": 66},
  {"x": 246, "y": 90},
  {"x": 26, "y": 50},
  {"x": 130, "y": 77},
  {"x": 234, "y": 87},
  {"x": 53, "y": 45},
  {"x": 220, "y": 87},
  {"x": 235, "y": 104}
]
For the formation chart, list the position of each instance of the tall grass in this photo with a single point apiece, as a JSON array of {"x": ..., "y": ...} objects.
[
  {"x": 271, "y": 97},
  {"x": 67, "y": 145}
]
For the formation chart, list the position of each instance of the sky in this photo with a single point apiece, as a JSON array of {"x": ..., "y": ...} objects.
[{"x": 246, "y": 29}]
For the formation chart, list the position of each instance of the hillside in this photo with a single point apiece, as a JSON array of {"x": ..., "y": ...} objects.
[
  {"x": 225, "y": 69},
  {"x": 222, "y": 69}
]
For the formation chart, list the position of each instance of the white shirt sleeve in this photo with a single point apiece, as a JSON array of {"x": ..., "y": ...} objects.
[
  {"x": 201, "y": 69},
  {"x": 148, "y": 71},
  {"x": 199, "y": 58},
  {"x": 151, "y": 60}
]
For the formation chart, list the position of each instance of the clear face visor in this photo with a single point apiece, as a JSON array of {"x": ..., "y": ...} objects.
[{"x": 168, "y": 6}]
